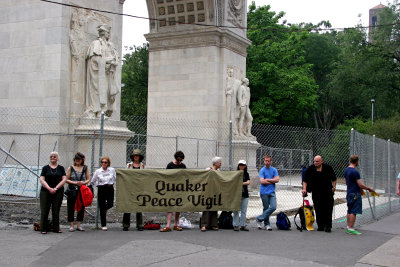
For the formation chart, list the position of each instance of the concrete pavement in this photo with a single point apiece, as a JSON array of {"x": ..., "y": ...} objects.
[{"x": 377, "y": 246}]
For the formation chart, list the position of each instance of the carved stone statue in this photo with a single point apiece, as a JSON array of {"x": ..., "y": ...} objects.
[
  {"x": 245, "y": 118},
  {"x": 79, "y": 45},
  {"x": 101, "y": 85},
  {"x": 232, "y": 88}
]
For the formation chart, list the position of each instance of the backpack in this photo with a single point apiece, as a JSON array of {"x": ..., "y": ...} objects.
[
  {"x": 150, "y": 225},
  {"x": 306, "y": 214},
  {"x": 225, "y": 220},
  {"x": 282, "y": 221}
]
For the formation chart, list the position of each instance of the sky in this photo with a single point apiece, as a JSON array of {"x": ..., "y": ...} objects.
[{"x": 341, "y": 14}]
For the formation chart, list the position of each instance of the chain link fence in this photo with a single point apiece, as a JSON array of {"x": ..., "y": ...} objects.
[{"x": 28, "y": 136}]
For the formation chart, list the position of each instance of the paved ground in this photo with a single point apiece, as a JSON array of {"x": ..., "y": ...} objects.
[{"x": 377, "y": 246}]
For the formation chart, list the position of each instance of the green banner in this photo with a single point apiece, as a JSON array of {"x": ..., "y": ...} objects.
[{"x": 178, "y": 190}]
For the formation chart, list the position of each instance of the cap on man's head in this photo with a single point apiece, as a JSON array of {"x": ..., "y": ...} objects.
[{"x": 104, "y": 27}]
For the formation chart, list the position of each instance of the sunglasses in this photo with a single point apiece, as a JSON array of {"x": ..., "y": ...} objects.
[
  {"x": 53, "y": 157},
  {"x": 106, "y": 162}
]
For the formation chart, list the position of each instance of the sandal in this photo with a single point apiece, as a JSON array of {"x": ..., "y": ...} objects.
[
  {"x": 166, "y": 229},
  {"x": 215, "y": 228},
  {"x": 203, "y": 229},
  {"x": 177, "y": 228}
]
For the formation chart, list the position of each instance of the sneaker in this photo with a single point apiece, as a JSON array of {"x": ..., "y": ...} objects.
[
  {"x": 140, "y": 228},
  {"x": 71, "y": 229},
  {"x": 269, "y": 228},
  {"x": 353, "y": 232},
  {"x": 104, "y": 228},
  {"x": 236, "y": 228},
  {"x": 244, "y": 228},
  {"x": 259, "y": 225}
]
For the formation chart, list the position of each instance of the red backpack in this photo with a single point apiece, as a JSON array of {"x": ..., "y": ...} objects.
[{"x": 85, "y": 197}]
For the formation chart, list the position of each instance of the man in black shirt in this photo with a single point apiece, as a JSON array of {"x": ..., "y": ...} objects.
[{"x": 320, "y": 180}]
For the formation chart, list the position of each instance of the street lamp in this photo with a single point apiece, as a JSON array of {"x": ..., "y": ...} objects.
[{"x": 372, "y": 113}]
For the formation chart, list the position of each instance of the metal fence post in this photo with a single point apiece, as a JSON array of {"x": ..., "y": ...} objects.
[
  {"x": 176, "y": 143},
  {"x": 388, "y": 170},
  {"x": 352, "y": 142},
  {"x": 230, "y": 146},
  {"x": 92, "y": 153},
  {"x": 100, "y": 155},
  {"x": 197, "y": 153},
  {"x": 373, "y": 168},
  {"x": 38, "y": 166}
]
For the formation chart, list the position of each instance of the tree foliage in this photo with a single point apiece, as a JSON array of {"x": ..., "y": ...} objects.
[
  {"x": 135, "y": 79},
  {"x": 283, "y": 88}
]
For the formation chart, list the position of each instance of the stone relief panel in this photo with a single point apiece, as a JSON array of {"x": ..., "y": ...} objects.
[
  {"x": 83, "y": 31},
  {"x": 236, "y": 11}
]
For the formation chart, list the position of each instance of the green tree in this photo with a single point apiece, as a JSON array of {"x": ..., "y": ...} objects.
[
  {"x": 135, "y": 79},
  {"x": 282, "y": 83}
]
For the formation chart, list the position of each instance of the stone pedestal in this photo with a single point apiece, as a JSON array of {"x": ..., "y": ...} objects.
[{"x": 115, "y": 136}]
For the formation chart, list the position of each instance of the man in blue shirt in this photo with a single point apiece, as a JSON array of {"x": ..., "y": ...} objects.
[
  {"x": 268, "y": 178},
  {"x": 354, "y": 186}
]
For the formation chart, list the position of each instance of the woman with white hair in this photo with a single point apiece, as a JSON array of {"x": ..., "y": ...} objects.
[
  {"x": 52, "y": 178},
  {"x": 209, "y": 219}
]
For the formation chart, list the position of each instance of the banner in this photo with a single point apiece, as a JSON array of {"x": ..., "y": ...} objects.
[{"x": 178, "y": 190}]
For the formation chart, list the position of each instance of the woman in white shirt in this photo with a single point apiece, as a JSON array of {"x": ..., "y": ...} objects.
[{"x": 104, "y": 178}]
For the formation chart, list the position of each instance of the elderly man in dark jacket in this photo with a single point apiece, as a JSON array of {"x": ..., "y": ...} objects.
[{"x": 320, "y": 180}]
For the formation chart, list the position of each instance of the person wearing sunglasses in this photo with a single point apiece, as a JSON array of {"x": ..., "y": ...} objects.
[
  {"x": 104, "y": 178},
  {"x": 52, "y": 179}
]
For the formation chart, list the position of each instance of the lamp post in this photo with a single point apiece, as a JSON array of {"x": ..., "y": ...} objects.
[{"x": 372, "y": 112}]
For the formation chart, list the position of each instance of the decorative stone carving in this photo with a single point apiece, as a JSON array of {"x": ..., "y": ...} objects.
[
  {"x": 78, "y": 44},
  {"x": 232, "y": 88},
  {"x": 83, "y": 30},
  {"x": 235, "y": 12},
  {"x": 102, "y": 85},
  {"x": 245, "y": 118}
]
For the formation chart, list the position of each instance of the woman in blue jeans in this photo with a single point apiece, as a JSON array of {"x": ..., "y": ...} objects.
[{"x": 242, "y": 165}]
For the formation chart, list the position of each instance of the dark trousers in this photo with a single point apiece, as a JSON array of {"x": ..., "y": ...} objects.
[
  {"x": 71, "y": 208},
  {"x": 209, "y": 219},
  {"x": 106, "y": 201},
  {"x": 54, "y": 202},
  {"x": 323, "y": 206},
  {"x": 126, "y": 220}
]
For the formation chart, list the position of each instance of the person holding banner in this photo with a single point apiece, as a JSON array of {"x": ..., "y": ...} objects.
[
  {"x": 242, "y": 165},
  {"x": 105, "y": 178},
  {"x": 176, "y": 164},
  {"x": 209, "y": 219},
  {"x": 136, "y": 163}
]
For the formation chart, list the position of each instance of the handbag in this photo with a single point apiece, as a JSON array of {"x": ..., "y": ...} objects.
[{"x": 72, "y": 190}]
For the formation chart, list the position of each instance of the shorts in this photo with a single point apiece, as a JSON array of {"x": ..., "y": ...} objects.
[{"x": 354, "y": 203}]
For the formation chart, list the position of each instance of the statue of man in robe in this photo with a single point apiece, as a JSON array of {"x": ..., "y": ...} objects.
[{"x": 102, "y": 85}]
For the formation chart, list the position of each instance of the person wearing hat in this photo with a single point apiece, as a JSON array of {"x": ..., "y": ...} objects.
[
  {"x": 136, "y": 163},
  {"x": 242, "y": 166}
]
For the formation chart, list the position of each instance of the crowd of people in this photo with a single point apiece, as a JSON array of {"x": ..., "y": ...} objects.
[{"x": 319, "y": 179}]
